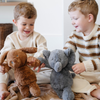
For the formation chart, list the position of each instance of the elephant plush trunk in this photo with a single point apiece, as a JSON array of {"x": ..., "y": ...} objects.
[{"x": 58, "y": 66}]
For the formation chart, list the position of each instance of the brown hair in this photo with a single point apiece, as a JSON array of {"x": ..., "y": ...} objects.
[
  {"x": 85, "y": 7},
  {"x": 24, "y": 9}
]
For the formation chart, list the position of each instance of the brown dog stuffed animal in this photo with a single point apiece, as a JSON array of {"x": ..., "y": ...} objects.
[{"x": 24, "y": 76}]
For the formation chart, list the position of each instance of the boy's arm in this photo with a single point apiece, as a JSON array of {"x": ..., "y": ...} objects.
[
  {"x": 7, "y": 45},
  {"x": 91, "y": 65},
  {"x": 70, "y": 43},
  {"x": 41, "y": 45}
]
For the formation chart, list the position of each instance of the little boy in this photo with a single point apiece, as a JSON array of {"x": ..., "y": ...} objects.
[
  {"x": 86, "y": 40},
  {"x": 24, "y": 18}
]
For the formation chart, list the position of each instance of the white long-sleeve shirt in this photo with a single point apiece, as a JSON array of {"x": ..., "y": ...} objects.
[{"x": 34, "y": 40}]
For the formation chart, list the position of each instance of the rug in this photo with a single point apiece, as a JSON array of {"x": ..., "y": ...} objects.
[{"x": 47, "y": 93}]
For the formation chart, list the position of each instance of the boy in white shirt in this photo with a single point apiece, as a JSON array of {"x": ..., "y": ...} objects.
[{"x": 24, "y": 18}]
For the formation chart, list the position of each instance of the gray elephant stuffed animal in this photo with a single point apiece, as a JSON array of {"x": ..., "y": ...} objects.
[{"x": 61, "y": 79}]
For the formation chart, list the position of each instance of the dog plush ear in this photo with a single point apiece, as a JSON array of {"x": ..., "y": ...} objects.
[
  {"x": 3, "y": 57},
  {"x": 29, "y": 49}
]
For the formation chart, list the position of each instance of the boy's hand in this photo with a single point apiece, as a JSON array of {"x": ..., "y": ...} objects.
[
  {"x": 4, "y": 68},
  {"x": 39, "y": 67},
  {"x": 32, "y": 61},
  {"x": 78, "y": 68}
]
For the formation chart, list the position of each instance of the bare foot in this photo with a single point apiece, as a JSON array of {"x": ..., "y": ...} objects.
[
  {"x": 96, "y": 93},
  {"x": 3, "y": 94}
]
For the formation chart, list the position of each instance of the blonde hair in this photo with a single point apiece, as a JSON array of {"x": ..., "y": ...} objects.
[
  {"x": 24, "y": 9},
  {"x": 85, "y": 7}
]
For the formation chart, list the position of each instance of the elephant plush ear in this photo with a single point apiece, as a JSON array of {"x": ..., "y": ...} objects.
[
  {"x": 70, "y": 54},
  {"x": 46, "y": 54}
]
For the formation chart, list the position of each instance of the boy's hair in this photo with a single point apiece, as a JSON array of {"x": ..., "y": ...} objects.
[
  {"x": 24, "y": 9},
  {"x": 85, "y": 7}
]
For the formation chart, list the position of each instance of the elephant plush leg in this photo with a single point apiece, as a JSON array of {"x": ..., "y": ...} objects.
[
  {"x": 68, "y": 94},
  {"x": 59, "y": 93},
  {"x": 34, "y": 89},
  {"x": 24, "y": 90}
]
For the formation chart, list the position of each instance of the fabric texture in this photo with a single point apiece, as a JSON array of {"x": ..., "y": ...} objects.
[
  {"x": 81, "y": 85},
  {"x": 47, "y": 93}
]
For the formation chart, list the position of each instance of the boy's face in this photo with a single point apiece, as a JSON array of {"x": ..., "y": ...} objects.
[
  {"x": 25, "y": 26},
  {"x": 79, "y": 21}
]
